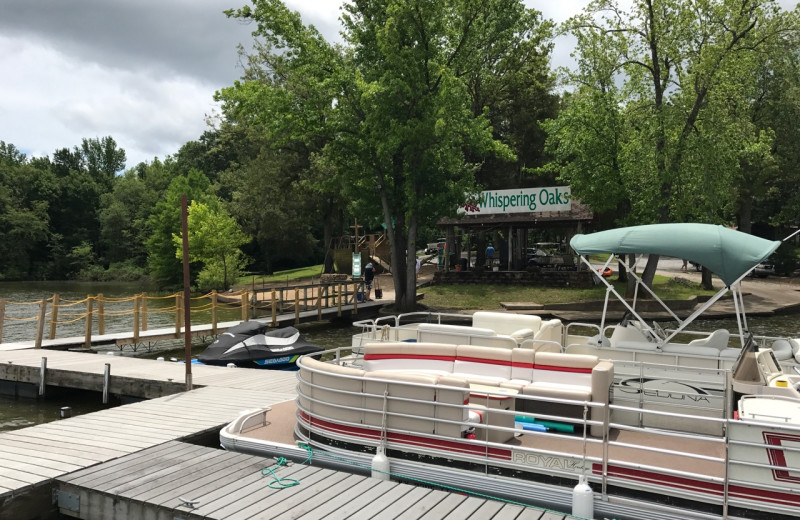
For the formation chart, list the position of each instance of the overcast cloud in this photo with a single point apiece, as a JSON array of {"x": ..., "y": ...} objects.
[{"x": 142, "y": 71}]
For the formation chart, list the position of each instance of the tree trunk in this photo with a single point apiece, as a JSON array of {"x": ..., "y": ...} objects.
[
  {"x": 745, "y": 214},
  {"x": 650, "y": 270},
  {"x": 705, "y": 279},
  {"x": 622, "y": 270}
]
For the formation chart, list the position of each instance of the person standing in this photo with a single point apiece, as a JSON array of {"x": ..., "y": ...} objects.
[
  {"x": 490, "y": 255},
  {"x": 369, "y": 275}
]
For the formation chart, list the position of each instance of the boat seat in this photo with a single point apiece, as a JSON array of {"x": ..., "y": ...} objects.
[
  {"x": 333, "y": 391},
  {"x": 483, "y": 364},
  {"x": 434, "y": 358},
  {"x": 717, "y": 339},
  {"x": 730, "y": 353},
  {"x": 506, "y": 322},
  {"x": 782, "y": 348},
  {"x": 407, "y": 395}
]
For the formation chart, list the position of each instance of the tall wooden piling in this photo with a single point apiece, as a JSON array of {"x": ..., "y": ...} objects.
[
  {"x": 89, "y": 312},
  {"x": 54, "y": 316},
  {"x": 101, "y": 318},
  {"x": 40, "y": 327}
]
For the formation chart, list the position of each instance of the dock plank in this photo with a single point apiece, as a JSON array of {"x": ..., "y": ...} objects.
[
  {"x": 278, "y": 501},
  {"x": 319, "y": 502},
  {"x": 220, "y": 497},
  {"x": 447, "y": 505},
  {"x": 392, "y": 511},
  {"x": 383, "y": 490},
  {"x": 194, "y": 485}
]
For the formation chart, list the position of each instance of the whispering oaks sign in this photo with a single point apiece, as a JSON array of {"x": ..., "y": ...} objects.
[{"x": 521, "y": 200}]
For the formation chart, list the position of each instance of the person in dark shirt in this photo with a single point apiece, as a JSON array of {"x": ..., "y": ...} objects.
[{"x": 369, "y": 275}]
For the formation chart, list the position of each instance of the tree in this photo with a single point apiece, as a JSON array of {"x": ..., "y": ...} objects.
[
  {"x": 26, "y": 191},
  {"x": 214, "y": 241},
  {"x": 165, "y": 221},
  {"x": 685, "y": 75},
  {"x": 391, "y": 112}
]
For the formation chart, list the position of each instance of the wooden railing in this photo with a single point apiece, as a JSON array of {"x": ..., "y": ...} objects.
[{"x": 137, "y": 310}]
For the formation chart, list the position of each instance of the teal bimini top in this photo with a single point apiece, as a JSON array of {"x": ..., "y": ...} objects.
[{"x": 726, "y": 252}]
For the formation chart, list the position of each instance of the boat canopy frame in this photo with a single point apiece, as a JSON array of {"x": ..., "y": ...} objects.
[{"x": 729, "y": 254}]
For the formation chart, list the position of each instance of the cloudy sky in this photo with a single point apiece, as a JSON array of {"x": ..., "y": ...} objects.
[{"x": 142, "y": 71}]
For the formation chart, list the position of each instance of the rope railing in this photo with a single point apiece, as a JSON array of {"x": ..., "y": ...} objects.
[{"x": 134, "y": 310}]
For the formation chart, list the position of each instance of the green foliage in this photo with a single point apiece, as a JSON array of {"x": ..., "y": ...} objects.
[
  {"x": 214, "y": 241},
  {"x": 668, "y": 88},
  {"x": 395, "y": 122},
  {"x": 786, "y": 259},
  {"x": 165, "y": 221}
]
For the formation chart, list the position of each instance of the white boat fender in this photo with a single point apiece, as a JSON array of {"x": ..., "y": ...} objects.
[
  {"x": 582, "y": 499},
  {"x": 380, "y": 465}
]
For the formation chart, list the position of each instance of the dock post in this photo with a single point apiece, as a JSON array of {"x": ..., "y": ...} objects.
[
  {"x": 89, "y": 311},
  {"x": 356, "y": 291},
  {"x": 101, "y": 319},
  {"x": 136, "y": 319},
  {"x": 144, "y": 311},
  {"x": 296, "y": 307},
  {"x": 214, "y": 312},
  {"x": 2, "y": 316},
  {"x": 40, "y": 327},
  {"x": 339, "y": 300},
  {"x": 274, "y": 309},
  {"x": 106, "y": 380},
  {"x": 244, "y": 306},
  {"x": 54, "y": 316},
  {"x": 319, "y": 305},
  {"x": 42, "y": 372},
  {"x": 177, "y": 315}
]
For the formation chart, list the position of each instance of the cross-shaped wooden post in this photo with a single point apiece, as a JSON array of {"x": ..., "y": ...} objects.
[{"x": 355, "y": 227}]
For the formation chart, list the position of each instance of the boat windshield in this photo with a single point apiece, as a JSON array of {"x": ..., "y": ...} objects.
[{"x": 745, "y": 370}]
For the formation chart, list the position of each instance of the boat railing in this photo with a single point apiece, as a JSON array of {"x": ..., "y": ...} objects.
[
  {"x": 249, "y": 420},
  {"x": 570, "y": 335},
  {"x": 569, "y": 463},
  {"x": 676, "y": 457}
]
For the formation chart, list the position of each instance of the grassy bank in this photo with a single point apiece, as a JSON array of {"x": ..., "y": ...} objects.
[
  {"x": 489, "y": 297},
  {"x": 290, "y": 276}
]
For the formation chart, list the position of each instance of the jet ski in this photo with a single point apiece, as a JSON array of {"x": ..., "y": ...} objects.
[{"x": 255, "y": 345}]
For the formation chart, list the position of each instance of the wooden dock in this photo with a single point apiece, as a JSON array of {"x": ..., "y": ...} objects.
[
  {"x": 31, "y": 457},
  {"x": 127, "y": 462},
  {"x": 178, "y": 480}
]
